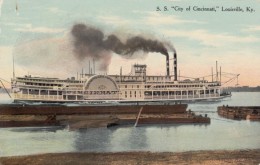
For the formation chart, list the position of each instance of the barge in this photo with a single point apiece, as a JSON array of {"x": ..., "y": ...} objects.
[
  {"x": 240, "y": 112},
  {"x": 76, "y": 117}
]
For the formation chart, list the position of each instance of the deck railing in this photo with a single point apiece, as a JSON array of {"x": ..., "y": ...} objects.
[
  {"x": 179, "y": 97},
  {"x": 113, "y": 97},
  {"x": 37, "y": 97},
  {"x": 102, "y": 97}
]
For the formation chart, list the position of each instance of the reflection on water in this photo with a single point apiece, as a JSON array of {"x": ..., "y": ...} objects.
[
  {"x": 112, "y": 139},
  {"x": 220, "y": 134},
  {"x": 133, "y": 138},
  {"x": 29, "y": 141},
  {"x": 92, "y": 140}
]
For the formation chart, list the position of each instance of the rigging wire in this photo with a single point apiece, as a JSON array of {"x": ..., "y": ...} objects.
[{"x": 5, "y": 80}]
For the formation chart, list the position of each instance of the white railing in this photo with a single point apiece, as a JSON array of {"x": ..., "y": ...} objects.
[
  {"x": 103, "y": 97},
  {"x": 113, "y": 97},
  {"x": 37, "y": 97},
  {"x": 180, "y": 97}
]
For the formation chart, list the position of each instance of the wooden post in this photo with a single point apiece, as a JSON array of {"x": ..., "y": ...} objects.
[{"x": 137, "y": 119}]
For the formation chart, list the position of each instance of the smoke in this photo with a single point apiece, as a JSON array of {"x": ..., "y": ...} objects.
[{"x": 90, "y": 42}]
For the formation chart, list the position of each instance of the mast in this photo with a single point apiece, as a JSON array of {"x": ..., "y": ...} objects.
[
  {"x": 16, "y": 7},
  {"x": 89, "y": 67},
  {"x": 220, "y": 75},
  {"x": 121, "y": 74},
  {"x": 16, "y": 10},
  {"x": 13, "y": 68},
  {"x": 237, "y": 80},
  {"x": 93, "y": 66},
  {"x": 216, "y": 71},
  {"x": 212, "y": 74}
]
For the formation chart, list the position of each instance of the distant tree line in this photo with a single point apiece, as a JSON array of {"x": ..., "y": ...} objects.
[{"x": 243, "y": 89}]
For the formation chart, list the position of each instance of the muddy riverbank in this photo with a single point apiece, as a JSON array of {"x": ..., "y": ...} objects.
[{"x": 249, "y": 157}]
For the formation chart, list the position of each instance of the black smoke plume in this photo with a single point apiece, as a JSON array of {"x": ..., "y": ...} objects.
[{"x": 92, "y": 42}]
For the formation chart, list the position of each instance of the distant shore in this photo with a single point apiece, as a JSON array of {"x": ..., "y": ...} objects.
[
  {"x": 243, "y": 89},
  {"x": 191, "y": 157}
]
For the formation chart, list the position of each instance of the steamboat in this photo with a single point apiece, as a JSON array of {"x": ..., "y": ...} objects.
[{"x": 137, "y": 87}]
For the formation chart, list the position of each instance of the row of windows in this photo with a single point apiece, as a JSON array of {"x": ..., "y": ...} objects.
[
  {"x": 130, "y": 78},
  {"x": 140, "y": 78},
  {"x": 42, "y": 84},
  {"x": 47, "y": 92},
  {"x": 164, "y": 86},
  {"x": 156, "y": 93},
  {"x": 93, "y": 92},
  {"x": 132, "y": 86},
  {"x": 134, "y": 94},
  {"x": 42, "y": 92},
  {"x": 46, "y": 80},
  {"x": 173, "y": 86}
]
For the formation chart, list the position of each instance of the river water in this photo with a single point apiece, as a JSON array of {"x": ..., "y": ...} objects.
[{"x": 221, "y": 134}]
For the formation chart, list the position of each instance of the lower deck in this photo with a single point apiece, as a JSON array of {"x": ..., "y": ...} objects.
[{"x": 120, "y": 95}]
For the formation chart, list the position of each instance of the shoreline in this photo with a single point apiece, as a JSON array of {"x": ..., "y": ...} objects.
[{"x": 251, "y": 156}]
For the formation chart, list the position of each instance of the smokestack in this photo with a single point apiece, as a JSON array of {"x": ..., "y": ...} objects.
[
  {"x": 167, "y": 66},
  {"x": 175, "y": 65}
]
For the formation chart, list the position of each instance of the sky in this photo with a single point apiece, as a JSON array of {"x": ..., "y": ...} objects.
[{"x": 36, "y": 34}]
